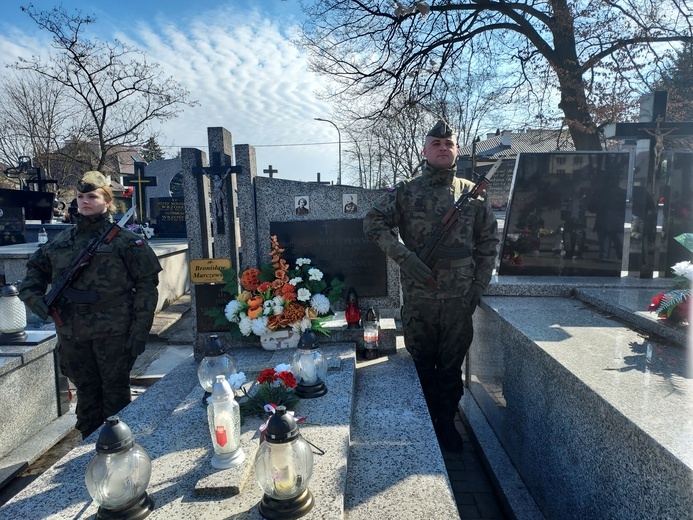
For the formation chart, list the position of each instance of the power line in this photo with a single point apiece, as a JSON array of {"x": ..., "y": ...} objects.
[{"x": 255, "y": 145}]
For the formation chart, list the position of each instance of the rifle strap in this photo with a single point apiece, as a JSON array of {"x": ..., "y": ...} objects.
[
  {"x": 451, "y": 263},
  {"x": 88, "y": 308}
]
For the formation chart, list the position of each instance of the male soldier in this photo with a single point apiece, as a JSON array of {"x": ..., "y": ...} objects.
[
  {"x": 106, "y": 312},
  {"x": 437, "y": 318}
]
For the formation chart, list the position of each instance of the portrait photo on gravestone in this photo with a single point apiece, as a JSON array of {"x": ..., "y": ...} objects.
[
  {"x": 340, "y": 248},
  {"x": 566, "y": 215}
]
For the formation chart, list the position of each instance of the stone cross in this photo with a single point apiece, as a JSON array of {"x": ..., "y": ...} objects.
[
  {"x": 140, "y": 183},
  {"x": 270, "y": 171}
]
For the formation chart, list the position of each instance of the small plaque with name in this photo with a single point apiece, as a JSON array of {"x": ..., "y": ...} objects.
[
  {"x": 168, "y": 217},
  {"x": 208, "y": 270}
]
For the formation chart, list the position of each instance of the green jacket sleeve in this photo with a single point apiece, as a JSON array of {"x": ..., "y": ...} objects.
[
  {"x": 144, "y": 269},
  {"x": 380, "y": 222},
  {"x": 485, "y": 243},
  {"x": 37, "y": 278}
]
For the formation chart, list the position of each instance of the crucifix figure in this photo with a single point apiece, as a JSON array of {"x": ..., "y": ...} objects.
[
  {"x": 659, "y": 141},
  {"x": 218, "y": 194}
]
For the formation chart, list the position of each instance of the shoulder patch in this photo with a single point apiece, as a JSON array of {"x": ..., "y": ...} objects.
[
  {"x": 139, "y": 242},
  {"x": 392, "y": 188}
]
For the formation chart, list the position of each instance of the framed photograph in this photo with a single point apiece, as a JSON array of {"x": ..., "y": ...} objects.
[
  {"x": 302, "y": 205},
  {"x": 350, "y": 203}
]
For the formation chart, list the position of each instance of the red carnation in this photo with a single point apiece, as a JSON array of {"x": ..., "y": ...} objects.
[
  {"x": 268, "y": 375},
  {"x": 288, "y": 378},
  {"x": 656, "y": 302}
]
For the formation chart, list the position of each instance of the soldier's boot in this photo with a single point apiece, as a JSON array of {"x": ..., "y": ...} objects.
[{"x": 448, "y": 436}]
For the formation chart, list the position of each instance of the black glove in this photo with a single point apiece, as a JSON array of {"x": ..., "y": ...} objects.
[
  {"x": 474, "y": 296},
  {"x": 135, "y": 346},
  {"x": 40, "y": 309},
  {"x": 415, "y": 268}
]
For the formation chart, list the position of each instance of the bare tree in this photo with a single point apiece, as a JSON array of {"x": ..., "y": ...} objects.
[
  {"x": 34, "y": 113},
  {"x": 120, "y": 91},
  {"x": 593, "y": 53}
]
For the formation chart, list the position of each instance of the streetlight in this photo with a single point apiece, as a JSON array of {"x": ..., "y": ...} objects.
[{"x": 339, "y": 134}]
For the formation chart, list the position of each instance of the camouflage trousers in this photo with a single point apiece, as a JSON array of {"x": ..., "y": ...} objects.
[
  {"x": 100, "y": 369},
  {"x": 437, "y": 334}
]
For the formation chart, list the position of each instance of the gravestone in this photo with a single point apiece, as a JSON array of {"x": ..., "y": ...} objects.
[
  {"x": 140, "y": 182},
  {"x": 37, "y": 205},
  {"x": 566, "y": 215},
  {"x": 339, "y": 249},
  {"x": 12, "y": 226},
  {"x": 168, "y": 217},
  {"x": 122, "y": 205}
]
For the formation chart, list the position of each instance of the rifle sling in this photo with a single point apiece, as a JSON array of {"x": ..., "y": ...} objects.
[{"x": 448, "y": 257}]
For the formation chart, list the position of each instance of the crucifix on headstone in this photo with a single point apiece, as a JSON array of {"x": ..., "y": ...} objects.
[
  {"x": 270, "y": 171},
  {"x": 217, "y": 174},
  {"x": 648, "y": 205},
  {"x": 141, "y": 183}
]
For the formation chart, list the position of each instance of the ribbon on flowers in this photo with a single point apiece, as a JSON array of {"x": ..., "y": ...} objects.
[{"x": 271, "y": 408}]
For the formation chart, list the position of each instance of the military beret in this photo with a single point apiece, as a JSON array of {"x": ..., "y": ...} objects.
[
  {"x": 442, "y": 130},
  {"x": 91, "y": 181}
]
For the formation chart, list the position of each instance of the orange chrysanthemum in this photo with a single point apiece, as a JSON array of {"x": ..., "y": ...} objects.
[
  {"x": 294, "y": 312},
  {"x": 249, "y": 279}
]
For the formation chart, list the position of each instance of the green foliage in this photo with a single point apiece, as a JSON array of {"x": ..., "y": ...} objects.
[
  {"x": 151, "y": 151},
  {"x": 254, "y": 400},
  {"x": 686, "y": 240}
]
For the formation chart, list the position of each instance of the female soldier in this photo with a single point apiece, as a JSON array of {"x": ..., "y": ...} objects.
[{"x": 106, "y": 312}]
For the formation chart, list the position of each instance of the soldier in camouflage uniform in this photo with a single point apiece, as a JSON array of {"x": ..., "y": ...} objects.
[
  {"x": 437, "y": 320},
  {"x": 107, "y": 312}
]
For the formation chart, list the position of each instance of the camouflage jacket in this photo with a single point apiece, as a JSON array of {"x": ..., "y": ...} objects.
[
  {"x": 414, "y": 208},
  {"x": 124, "y": 273}
]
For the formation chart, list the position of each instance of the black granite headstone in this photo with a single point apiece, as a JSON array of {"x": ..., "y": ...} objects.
[
  {"x": 168, "y": 217},
  {"x": 122, "y": 205},
  {"x": 207, "y": 298},
  {"x": 338, "y": 248},
  {"x": 677, "y": 198},
  {"x": 566, "y": 215},
  {"x": 37, "y": 205},
  {"x": 12, "y": 225}
]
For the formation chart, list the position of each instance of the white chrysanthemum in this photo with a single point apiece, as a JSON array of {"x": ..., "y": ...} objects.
[
  {"x": 314, "y": 274},
  {"x": 237, "y": 380},
  {"x": 267, "y": 310},
  {"x": 296, "y": 327},
  {"x": 259, "y": 326},
  {"x": 320, "y": 303},
  {"x": 302, "y": 261},
  {"x": 303, "y": 294},
  {"x": 296, "y": 281},
  {"x": 277, "y": 310},
  {"x": 684, "y": 269},
  {"x": 282, "y": 367},
  {"x": 306, "y": 324},
  {"x": 277, "y": 300},
  {"x": 245, "y": 325},
  {"x": 232, "y": 309},
  {"x": 266, "y": 304}
]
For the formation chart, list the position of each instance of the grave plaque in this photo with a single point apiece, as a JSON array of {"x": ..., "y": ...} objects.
[
  {"x": 168, "y": 217},
  {"x": 12, "y": 227},
  {"x": 566, "y": 215},
  {"x": 498, "y": 192},
  {"x": 122, "y": 205},
  {"x": 338, "y": 248},
  {"x": 208, "y": 297}
]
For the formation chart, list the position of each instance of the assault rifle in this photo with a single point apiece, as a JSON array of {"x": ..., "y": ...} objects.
[
  {"x": 429, "y": 252},
  {"x": 79, "y": 264}
]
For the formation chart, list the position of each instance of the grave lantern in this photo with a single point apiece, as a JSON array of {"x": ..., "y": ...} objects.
[
  {"x": 309, "y": 367},
  {"x": 371, "y": 331},
  {"x": 283, "y": 468},
  {"x": 352, "y": 315},
  {"x": 12, "y": 316},
  {"x": 118, "y": 475},
  {"x": 215, "y": 363}
]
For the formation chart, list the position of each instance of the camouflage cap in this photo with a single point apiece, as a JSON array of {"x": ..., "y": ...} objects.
[
  {"x": 442, "y": 130},
  {"x": 91, "y": 181}
]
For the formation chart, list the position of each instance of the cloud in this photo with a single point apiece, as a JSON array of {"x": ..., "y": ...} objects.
[{"x": 246, "y": 75}]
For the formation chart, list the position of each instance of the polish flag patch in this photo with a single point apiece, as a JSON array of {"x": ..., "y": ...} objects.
[{"x": 139, "y": 242}]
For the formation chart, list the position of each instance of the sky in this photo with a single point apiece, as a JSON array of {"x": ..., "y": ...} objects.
[{"x": 235, "y": 58}]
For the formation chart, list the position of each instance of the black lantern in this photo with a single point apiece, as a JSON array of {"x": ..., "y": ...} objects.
[
  {"x": 216, "y": 362},
  {"x": 12, "y": 316},
  {"x": 283, "y": 468},
  {"x": 309, "y": 367},
  {"x": 118, "y": 475}
]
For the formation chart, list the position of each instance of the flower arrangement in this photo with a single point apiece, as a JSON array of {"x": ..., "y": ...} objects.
[
  {"x": 673, "y": 306},
  {"x": 274, "y": 386},
  {"x": 278, "y": 296}
]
